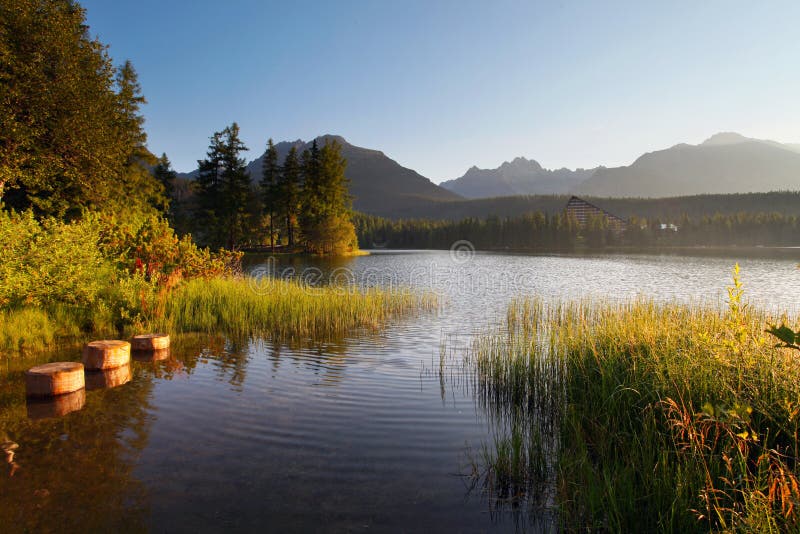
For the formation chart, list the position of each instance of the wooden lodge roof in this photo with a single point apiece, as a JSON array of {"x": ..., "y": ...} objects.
[{"x": 582, "y": 210}]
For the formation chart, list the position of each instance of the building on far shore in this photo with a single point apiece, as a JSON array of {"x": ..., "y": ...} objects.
[{"x": 583, "y": 211}]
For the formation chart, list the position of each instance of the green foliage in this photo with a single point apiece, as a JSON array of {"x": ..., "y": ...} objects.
[
  {"x": 223, "y": 190},
  {"x": 101, "y": 272},
  {"x": 73, "y": 135},
  {"x": 326, "y": 217},
  {"x": 532, "y": 231},
  {"x": 289, "y": 194},
  {"x": 648, "y": 417},
  {"x": 166, "y": 175},
  {"x": 269, "y": 189},
  {"x": 283, "y": 309},
  {"x": 49, "y": 262},
  {"x": 540, "y": 231}
]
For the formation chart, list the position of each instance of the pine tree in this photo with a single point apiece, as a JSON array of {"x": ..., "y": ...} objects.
[
  {"x": 223, "y": 190},
  {"x": 328, "y": 228},
  {"x": 166, "y": 175},
  {"x": 70, "y": 120},
  {"x": 270, "y": 175},
  {"x": 236, "y": 190},
  {"x": 289, "y": 193}
]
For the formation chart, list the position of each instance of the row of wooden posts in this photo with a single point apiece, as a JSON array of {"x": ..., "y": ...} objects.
[{"x": 60, "y": 378}]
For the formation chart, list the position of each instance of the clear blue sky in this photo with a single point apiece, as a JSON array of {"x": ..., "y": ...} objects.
[{"x": 440, "y": 86}]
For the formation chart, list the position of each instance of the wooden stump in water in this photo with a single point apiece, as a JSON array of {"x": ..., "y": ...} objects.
[
  {"x": 150, "y": 342},
  {"x": 106, "y": 354},
  {"x": 150, "y": 355},
  {"x": 53, "y": 379},
  {"x": 110, "y": 378},
  {"x": 45, "y": 408}
]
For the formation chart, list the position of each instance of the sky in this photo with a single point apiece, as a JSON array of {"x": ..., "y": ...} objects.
[{"x": 440, "y": 86}]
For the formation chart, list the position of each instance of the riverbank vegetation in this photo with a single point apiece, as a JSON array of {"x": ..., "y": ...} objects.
[
  {"x": 60, "y": 281},
  {"x": 642, "y": 417},
  {"x": 538, "y": 231},
  {"x": 88, "y": 216}
]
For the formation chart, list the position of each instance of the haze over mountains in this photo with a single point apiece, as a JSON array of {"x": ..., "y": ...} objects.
[
  {"x": 725, "y": 163},
  {"x": 518, "y": 177}
]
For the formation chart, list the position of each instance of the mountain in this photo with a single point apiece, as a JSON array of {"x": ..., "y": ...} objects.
[
  {"x": 379, "y": 185},
  {"x": 518, "y": 177},
  {"x": 725, "y": 163}
]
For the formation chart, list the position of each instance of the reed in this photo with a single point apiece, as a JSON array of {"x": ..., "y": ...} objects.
[
  {"x": 234, "y": 306},
  {"x": 643, "y": 416},
  {"x": 283, "y": 309}
]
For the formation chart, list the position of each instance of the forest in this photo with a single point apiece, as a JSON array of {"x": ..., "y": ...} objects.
[{"x": 539, "y": 231}]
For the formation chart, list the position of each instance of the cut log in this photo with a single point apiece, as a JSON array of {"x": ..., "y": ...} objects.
[
  {"x": 110, "y": 378},
  {"x": 45, "y": 408},
  {"x": 53, "y": 379},
  {"x": 106, "y": 354},
  {"x": 150, "y": 342},
  {"x": 150, "y": 355}
]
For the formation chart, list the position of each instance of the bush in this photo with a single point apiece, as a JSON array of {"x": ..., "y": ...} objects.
[{"x": 102, "y": 272}]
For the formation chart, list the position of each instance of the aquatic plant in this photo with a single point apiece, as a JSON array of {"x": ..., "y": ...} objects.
[
  {"x": 643, "y": 416},
  {"x": 283, "y": 308}
]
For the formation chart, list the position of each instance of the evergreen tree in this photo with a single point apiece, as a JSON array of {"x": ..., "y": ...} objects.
[
  {"x": 270, "y": 195},
  {"x": 328, "y": 227},
  {"x": 289, "y": 193},
  {"x": 223, "y": 190},
  {"x": 70, "y": 121},
  {"x": 313, "y": 195},
  {"x": 136, "y": 180},
  {"x": 166, "y": 175}
]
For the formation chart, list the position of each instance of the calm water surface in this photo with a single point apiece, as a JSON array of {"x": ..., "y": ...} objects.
[{"x": 357, "y": 435}]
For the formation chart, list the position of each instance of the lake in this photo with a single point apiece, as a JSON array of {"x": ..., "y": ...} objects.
[{"x": 361, "y": 434}]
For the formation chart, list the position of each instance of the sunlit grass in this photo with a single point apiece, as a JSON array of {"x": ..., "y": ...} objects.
[
  {"x": 284, "y": 309},
  {"x": 643, "y": 417},
  {"x": 237, "y": 307}
]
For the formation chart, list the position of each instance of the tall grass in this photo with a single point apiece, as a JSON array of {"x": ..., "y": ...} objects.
[
  {"x": 644, "y": 417},
  {"x": 235, "y": 306},
  {"x": 283, "y": 309}
]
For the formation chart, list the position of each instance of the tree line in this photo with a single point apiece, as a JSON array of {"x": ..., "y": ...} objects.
[
  {"x": 298, "y": 204},
  {"x": 560, "y": 232}
]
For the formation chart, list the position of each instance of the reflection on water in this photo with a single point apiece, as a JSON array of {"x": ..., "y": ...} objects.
[
  {"x": 353, "y": 434},
  {"x": 108, "y": 378},
  {"x": 59, "y": 406},
  {"x": 155, "y": 355}
]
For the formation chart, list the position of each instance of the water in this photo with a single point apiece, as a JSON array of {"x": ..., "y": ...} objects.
[{"x": 357, "y": 435}]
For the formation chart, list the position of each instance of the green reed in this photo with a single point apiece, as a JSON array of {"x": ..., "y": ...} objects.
[
  {"x": 284, "y": 309},
  {"x": 641, "y": 416},
  {"x": 235, "y": 306}
]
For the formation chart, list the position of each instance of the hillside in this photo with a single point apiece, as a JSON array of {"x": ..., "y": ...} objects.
[
  {"x": 725, "y": 163},
  {"x": 666, "y": 209},
  {"x": 378, "y": 183},
  {"x": 518, "y": 177}
]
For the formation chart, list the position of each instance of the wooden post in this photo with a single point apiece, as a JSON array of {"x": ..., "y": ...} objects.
[
  {"x": 150, "y": 342},
  {"x": 106, "y": 354},
  {"x": 53, "y": 379}
]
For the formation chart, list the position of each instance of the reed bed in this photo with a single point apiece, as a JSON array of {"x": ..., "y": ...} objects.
[
  {"x": 284, "y": 309},
  {"x": 641, "y": 417},
  {"x": 234, "y": 306}
]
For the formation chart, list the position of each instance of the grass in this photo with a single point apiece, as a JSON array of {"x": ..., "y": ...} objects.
[
  {"x": 235, "y": 306},
  {"x": 283, "y": 309},
  {"x": 642, "y": 417}
]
